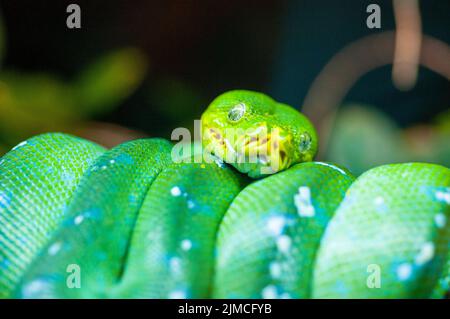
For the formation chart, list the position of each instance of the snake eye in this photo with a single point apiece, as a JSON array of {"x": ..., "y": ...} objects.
[
  {"x": 236, "y": 112},
  {"x": 305, "y": 142}
]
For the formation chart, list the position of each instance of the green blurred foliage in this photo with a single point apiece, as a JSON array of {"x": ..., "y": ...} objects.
[
  {"x": 363, "y": 137},
  {"x": 34, "y": 103},
  {"x": 176, "y": 102},
  {"x": 443, "y": 121},
  {"x": 439, "y": 144}
]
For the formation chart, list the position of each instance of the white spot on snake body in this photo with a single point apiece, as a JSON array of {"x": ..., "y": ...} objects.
[
  {"x": 54, "y": 248},
  {"x": 175, "y": 264},
  {"x": 379, "y": 201},
  {"x": 33, "y": 288},
  {"x": 112, "y": 161},
  {"x": 275, "y": 269},
  {"x": 380, "y": 204},
  {"x": 440, "y": 220},
  {"x": 104, "y": 167},
  {"x": 333, "y": 167},
  {"x": 78, "y": 220},
  {"x": 426, "y": 254},
  {"x": 19, "y": 145},
  {"x": 186, "y": 244},
  {"x": 275, "y": 225},
  {"x": 302, "y": 201},
  {"x": 269, "y": 292},
  {"x": 2, "y": 161},
  {"x": 404, "y": 271},
  {"x": 190, "y": 204},
  {"x": 443, "y": 196},
  {"x": 177, "y": 294},
  {"x": 284, "y": 243},
  {"x": 175, "y": 191}
]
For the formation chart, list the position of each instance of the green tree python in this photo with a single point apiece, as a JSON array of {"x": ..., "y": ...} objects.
[{"x": 79, "y": 221}]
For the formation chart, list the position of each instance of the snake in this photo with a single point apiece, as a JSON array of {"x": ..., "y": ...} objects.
[{"x": 245, "y": 212}]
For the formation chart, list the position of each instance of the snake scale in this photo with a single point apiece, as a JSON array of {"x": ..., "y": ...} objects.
[{"x": 132, "y": 222}]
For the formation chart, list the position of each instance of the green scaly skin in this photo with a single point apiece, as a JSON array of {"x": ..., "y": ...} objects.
[{"x": 139, "y": 225}]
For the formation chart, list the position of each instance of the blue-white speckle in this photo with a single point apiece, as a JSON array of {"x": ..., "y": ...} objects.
[
  {"x": 275, "y": 225},
  {"x": 404, "y": 271},
  {"x": 175, "y": 191}
]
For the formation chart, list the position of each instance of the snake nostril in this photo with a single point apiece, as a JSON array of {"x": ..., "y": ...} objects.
[{"x": 305, "y": 142}]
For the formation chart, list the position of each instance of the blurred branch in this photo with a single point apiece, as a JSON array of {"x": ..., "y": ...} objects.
[
  {"x": 350, "y": 64},
  {"x": 408, "y": 38}
]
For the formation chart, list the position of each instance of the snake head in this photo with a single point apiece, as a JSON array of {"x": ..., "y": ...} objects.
[{"x": 256, "y": 134}]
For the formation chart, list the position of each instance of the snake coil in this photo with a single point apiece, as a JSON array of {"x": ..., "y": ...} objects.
[{"x": 79, "y": 221}]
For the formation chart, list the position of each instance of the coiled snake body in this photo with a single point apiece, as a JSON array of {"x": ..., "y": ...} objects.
[{"x": 134, "y": 223}]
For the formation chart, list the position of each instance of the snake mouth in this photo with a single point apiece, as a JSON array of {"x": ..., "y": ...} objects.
[{"x": 255, "y": 151}]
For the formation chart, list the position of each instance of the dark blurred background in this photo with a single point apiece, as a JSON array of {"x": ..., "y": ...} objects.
[{"x": 175, "y": 56}]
